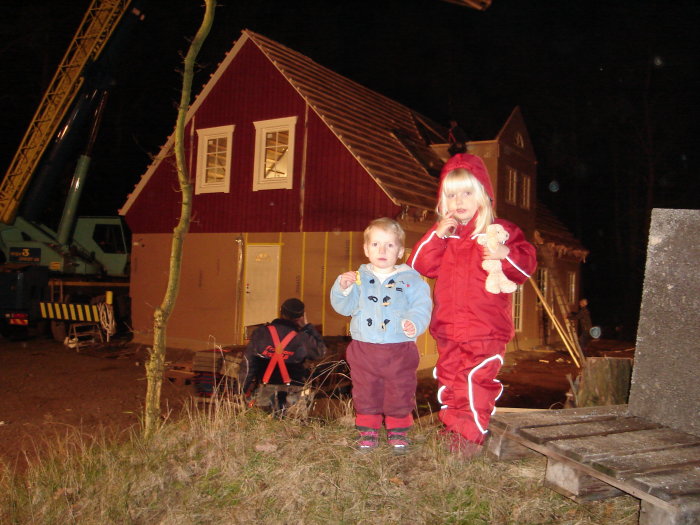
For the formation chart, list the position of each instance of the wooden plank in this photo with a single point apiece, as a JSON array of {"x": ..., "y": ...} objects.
[
  {"x": 621, "y": 467},
  {"x": 500, "y": 447},
  {"x": 543, "y": 418},
  {"x": 684, "y": 511},
  {"x": 566, "y": 479},
  {"x": 179, "y": 377},
  {"x": 671, "y": 484},
  {"x": 587, "y": 428},
  {"x": 596, "y": 448},
  {"x": 182, "y": 365}
]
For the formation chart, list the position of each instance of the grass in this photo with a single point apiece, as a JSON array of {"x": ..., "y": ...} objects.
[{"x": 226, "y": 463}]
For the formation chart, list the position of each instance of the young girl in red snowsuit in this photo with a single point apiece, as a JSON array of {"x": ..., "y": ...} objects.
[{"x": 471, "y": 325}]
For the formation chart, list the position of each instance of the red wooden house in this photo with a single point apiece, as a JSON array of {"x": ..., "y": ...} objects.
[{"x": 289, "y": 162}]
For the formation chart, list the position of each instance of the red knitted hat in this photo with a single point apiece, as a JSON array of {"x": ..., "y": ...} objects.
[{"x": 473, "y": 165}]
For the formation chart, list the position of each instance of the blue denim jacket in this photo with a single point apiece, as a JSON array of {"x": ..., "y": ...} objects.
[{"x": 377, "y": 308}]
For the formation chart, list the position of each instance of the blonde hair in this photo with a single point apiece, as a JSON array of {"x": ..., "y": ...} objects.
[
  {"x": 388, "y": 225},
  {"x": 462, "y": 180}
]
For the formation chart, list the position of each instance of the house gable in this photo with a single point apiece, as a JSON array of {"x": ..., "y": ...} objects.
[
  {"x": 511, "y": 160},
  {"x": 331, "y": 190},
  {"x": 514, "y": 138}
]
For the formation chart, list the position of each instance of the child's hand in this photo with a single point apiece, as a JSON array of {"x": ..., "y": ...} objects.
[
  {"x": 408, "y": 328},
  {"x": 347, "y": 278},
  {"x": 501, "y": 253},
  {"x": 446, "y": 226}
]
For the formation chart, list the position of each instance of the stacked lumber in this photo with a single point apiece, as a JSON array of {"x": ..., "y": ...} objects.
[
  {"x": 216, "y": 371},
  {"x": 180, "y": 373}
]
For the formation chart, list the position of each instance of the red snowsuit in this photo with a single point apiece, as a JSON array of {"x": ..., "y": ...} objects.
[{"x": 471, "y": 325}]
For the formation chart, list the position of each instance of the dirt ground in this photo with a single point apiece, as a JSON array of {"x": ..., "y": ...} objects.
[{"x": 47, "y": 389}]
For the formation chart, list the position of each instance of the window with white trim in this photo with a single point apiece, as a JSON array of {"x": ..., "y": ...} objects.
[
  {"x": 274, "y": 154},
  {"x": 512, "y": 185},
  {"x": 571, "y": 281},
  {"x": 214, "y": 147},
  {"x": 525, "y": 196},
  {"x": 519, "y": 140},
  {"x": 518, "y": 308}
]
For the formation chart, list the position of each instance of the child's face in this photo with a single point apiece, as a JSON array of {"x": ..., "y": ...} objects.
[
  {"x": 382, "y": 248},
  {"x": 461, "y": 204}
]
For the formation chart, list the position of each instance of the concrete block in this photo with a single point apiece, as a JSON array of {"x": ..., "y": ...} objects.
[{"x": 666, "y": 370}]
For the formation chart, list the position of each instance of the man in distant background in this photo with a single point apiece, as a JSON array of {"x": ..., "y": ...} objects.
[{"x": 584, "y": 323}]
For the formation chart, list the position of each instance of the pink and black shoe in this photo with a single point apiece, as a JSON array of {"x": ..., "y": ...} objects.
[
  {"x": 368, "y": 440},
  {"x": 398, "y": 440}
]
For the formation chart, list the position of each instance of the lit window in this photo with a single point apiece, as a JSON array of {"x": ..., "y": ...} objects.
[
  {"x": 274, "y": 154},
  {"x": 525, "y": 196},
  {"x": 214, "y": 159},
  {"x": 571, "y": 279},
  {"x": 520, "y": 140},
  {"x": 518, "y": 309},
  {"x": 512, "y": 185}
]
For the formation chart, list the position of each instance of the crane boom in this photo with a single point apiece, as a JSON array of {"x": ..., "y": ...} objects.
[{"x": 98, "y": 24}]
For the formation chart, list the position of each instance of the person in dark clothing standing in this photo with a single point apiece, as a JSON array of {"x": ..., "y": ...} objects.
[
  {"x": 583, "y": 319},
  {"x": 276, "y": 355}
]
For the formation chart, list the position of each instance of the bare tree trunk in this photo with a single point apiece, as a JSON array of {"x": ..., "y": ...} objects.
[{"x": 154, "y": 367}]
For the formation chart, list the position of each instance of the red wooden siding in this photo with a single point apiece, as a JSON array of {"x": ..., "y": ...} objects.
[{"x": 339, "y": 193}]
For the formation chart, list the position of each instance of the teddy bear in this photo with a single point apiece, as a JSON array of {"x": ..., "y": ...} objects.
[{"x": 496, "y": 280}]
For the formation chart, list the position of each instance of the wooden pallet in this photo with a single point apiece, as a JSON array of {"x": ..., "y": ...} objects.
[{"x": 601, "y": 452}]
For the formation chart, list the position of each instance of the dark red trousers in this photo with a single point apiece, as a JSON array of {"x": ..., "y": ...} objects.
[
  {"x": 466, "y": 373},
  {"x": 383, "y": 383}
]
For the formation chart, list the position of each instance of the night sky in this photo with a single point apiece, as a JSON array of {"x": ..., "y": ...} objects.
[{"x": 608, "y": 90}]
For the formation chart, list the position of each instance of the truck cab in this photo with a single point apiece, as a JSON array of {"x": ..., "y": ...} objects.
[{"x": 99, "y": 247}]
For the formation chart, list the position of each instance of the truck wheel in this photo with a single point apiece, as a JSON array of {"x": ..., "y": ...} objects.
[{"x": 59, "y": 331}]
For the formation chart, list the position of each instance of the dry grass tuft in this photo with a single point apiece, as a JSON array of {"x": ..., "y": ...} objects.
[{"x": 226, "y": 463}]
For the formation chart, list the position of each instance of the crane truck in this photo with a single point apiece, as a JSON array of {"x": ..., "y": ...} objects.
[{"x": 49, "y": 275}]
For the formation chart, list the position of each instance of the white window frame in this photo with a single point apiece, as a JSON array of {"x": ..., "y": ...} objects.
[
  {"x": 511, "y": 186},
  {"x": 517, "y": 308},
  {"x": 526, "y": 191},
  {"x": 261, "y": 128},
  {"x": 203, "y": 136},
  {"x": 571, "y": 280}
]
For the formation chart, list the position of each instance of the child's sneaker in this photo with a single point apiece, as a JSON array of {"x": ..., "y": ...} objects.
[
  {"x": 368, "y": 440},
  {"x": 398, "y": 440}
]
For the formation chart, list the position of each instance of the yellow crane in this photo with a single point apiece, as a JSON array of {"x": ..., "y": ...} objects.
[{"x": 97, "y": 26}]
